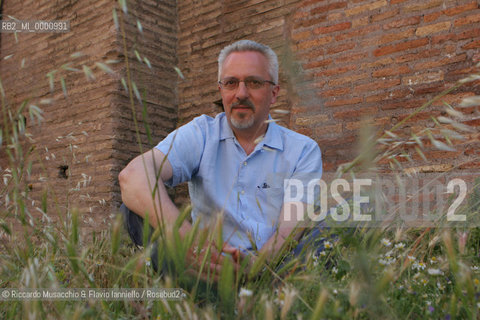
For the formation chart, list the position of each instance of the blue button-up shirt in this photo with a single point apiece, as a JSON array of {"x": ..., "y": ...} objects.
[{"x": 247, "y": 189}]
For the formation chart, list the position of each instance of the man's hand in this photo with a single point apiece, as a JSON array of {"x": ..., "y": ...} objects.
[{"x": 208, "y": 261}]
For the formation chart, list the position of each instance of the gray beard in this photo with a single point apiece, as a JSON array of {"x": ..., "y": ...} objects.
[{"x": 242, "y": 124}]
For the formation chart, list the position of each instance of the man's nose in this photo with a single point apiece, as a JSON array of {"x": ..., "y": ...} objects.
[{"x": 242, "y": 91}]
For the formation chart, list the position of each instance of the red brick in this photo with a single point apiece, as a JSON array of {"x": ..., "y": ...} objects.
[
  {"x": 314, "y": 43},
  {"x": 422, "y": 6},
  {"x": 342, "y": 102},
  {"x": 307, "y": 3},
  {"x": 460, "y": 9},
  {"x": 341, "y": 48},
  {"x": 469, "y": 34},
  {"x": 373, "y": 123},
  {"x": 378, "y": 62},
  {"x": 305, "y": 131},
  {"x": 301, "y": 35},
  {"x": 400, "y": 47},
  {"x": 375, "y": 85},
  {"x": 351, "y": 57},
  {"x": 443, "y": 38},
  {"x": 467, "y": 20},
  {"x": 433, "y": 63},
  {"x": 428, "y": 53},
  {"x": 397, "y": 35},
  {"x": 356, "y": 113},
  {"x": 335, "y": 16},
  {"x": 433, "y": 28},
  {"x": 317, "y": 64},
  {"x": 310, "y": 22},
  {"x": 423, "y": 78},
  {"x": 401, "y": 105},
  {"x": 384, "y": 96},
  {"x": 402, "y": 23},
  {"x": 366, "y": 7},
  {"x": 328, "y": 7},
  {"x": 334, "y": 92},
  {"x": 335, "y": 129},
  {"x": 391, "y": 71},
  {"x": 335, "y": 71},
  {"x": 311, "y": 120},
  {"x": 347, "y": 79},
  {"x": 355, "y": 33},
  {"x": 360, "y": 22},
  {"x": 330, "y": 29},
  {"x": 472, "y": 45},
  {"x": 385, "y": 15},
  {"x": 431, "y": 16}
]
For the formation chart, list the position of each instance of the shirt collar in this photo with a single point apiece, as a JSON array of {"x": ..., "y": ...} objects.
[{"x": 272, "y": 138}]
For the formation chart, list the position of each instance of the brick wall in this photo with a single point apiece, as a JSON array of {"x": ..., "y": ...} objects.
[
  {"x": 340, "y": 61},
  {"x": 382, "y": 59},
  {"x": 88, "y": 135}
]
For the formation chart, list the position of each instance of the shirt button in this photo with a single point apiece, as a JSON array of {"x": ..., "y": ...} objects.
[
  {"x": 243, "y": 192},
  {"x": 245, "y": 163}
]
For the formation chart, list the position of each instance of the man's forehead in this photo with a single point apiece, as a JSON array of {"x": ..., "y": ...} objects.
[{"x": 240, "y": 59}]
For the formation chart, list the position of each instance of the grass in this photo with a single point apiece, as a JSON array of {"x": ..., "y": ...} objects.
[{"x": 369, "y": 271}]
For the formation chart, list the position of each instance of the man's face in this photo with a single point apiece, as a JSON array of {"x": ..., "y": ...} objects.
[{"x": 247, "y": 109}]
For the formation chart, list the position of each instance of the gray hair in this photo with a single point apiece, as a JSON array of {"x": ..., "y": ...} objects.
[{"x": 249, "y": 45}]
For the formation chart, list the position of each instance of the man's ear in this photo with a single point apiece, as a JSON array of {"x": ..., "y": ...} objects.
[{"x": 275, "y": 90}]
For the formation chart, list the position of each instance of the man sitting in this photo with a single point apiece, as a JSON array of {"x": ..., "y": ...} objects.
[{"x": 236, "y": 164}]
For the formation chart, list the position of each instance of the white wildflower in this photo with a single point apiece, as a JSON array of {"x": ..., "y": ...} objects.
[
  {"x": 328, "y": 245},
  {"x": 386, "y": 242},
  {"x": 419, "y": 266},
  {"x": 245, "y": 293},
  {"x": 400, "y": 245}
]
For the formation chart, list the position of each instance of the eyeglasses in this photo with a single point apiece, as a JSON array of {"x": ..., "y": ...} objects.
[{"x": 250, "y": 83}]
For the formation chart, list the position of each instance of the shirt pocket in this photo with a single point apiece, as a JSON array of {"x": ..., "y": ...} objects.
[{"x": 269, "y": 202}]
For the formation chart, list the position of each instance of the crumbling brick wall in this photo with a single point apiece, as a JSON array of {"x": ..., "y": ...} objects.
[{"x": 88, "y": 132}]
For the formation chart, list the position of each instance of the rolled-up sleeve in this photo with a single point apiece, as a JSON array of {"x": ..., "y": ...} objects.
[{"x": 184, "y": 149}]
